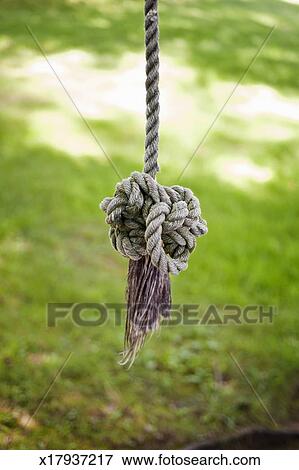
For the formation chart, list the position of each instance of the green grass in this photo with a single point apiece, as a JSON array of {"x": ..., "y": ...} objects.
[{"x": 54, "y": 245}]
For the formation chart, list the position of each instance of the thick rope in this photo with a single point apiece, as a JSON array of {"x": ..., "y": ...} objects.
[
  {"x": 152, "y": 87},
  {"x": 148, "y": 218},
  {"x": 145, "y": 217}
]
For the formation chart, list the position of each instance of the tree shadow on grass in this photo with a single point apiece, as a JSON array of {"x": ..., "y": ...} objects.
[
  {"x": 55, "y": 244},
  {"x": 216, "y": 38},
  {"x": 54, "y": 249}
]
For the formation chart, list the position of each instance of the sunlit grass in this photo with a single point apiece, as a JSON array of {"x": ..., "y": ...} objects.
[{"x": 53, "y": 239}]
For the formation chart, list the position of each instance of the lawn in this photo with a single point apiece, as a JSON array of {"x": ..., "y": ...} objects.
[{"x": 54, "y": 245}]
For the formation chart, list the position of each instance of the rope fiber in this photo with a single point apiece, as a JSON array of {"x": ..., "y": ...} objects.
[
  {"x": 147, "y": 218},
  {"x": 154, "y": 226},
  {"x": 151, "y": 27}
]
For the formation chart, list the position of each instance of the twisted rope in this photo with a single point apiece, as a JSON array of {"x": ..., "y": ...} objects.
[
  {"x": 145, "y": 217},
  {"x": 152, "y": 87}
]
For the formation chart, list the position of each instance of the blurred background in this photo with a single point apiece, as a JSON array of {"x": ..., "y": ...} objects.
[{"x": 184, "y": 386}]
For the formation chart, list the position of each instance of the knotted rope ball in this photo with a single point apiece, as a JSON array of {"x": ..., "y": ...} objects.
[
  {"x": 154, "y": 226},
  {"x": 147, "y": 218}
]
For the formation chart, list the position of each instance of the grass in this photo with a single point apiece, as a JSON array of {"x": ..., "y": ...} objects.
[{"x": 53, "y": 240}]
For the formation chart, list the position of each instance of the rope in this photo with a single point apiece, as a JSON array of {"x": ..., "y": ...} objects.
[
  {"x": 148, "y": 218},
  {"x": 145, "y": 217},
  {"x": 152, "y": 87}
]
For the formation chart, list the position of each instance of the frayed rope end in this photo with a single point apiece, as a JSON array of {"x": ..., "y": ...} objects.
[{"x": 148, "y": 299}]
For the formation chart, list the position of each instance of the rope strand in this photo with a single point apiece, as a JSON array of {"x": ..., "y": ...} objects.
[
  {"x": 152, "y": 87},
  {"x": 146, "y": 218},
  {"x": 154, "y": 226}
]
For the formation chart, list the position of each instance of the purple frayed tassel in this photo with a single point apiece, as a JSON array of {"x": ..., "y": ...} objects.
[{"x": 148, "y": 298}]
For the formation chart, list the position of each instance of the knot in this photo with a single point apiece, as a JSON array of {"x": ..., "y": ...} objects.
[{"x": 147, "y": 218}]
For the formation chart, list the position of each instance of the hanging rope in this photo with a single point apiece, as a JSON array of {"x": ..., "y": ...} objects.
[
  {"x": 152, "y": 87},
  {"x": 154, "y": 226},
  {"x": 147, "y": 218}
]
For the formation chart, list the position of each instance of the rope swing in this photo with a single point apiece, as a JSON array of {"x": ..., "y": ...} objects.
[{"x": 154, "y": 226}]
